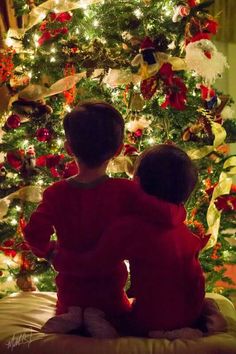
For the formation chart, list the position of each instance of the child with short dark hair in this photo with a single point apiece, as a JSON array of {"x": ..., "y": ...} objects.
[
  {"x": 167, "y": 280},
  {"x": 80, "y": 209}
]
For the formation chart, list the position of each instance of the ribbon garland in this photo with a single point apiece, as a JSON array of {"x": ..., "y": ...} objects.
[
  {"x": 31, "y": 194},
  {"x": 223, "y": 187},
  {"x": 213, "y": 215},
  {"x": 37, "y": 92},
  {"x": 219, "y": 137}
]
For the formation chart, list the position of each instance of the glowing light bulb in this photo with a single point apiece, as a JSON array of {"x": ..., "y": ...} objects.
[
  {"x": 138, "y": 13},
  {"x": 25, "y": 142},
  {"x": 95, "y": 23},
  {"x": 84, "y": 6},
  {"x": 8, "y": 262},
  {"x": 52, "y": 60},
  {"x": 18, "y": 208},
  {"x": 59, "y": 142},
  {"x": 68, "y": 108},
  {"x": 35, "y": 279},
  {"x": 151, "y": 141},
  {"x": 14, "y": 222},
  {"x": 40, "y": 182},
  {"x": 42, "y": 16},
  {"x": 10, "y": 278},
  {"x": 30, "y": 74},
  {"x": 9, "y": 42},
  {"x": 53, "y": 50}
]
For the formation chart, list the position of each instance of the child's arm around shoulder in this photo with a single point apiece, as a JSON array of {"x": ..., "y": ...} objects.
[
  {"x": 152, "y": 208},
  {"x": 107, "y": 254},
  {"x": 39, "y": 229}
]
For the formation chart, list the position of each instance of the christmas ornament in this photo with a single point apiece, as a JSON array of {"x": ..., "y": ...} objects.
[
  {"x": 43, "y": 135},
  {"x": 15, "y": 158},
  {"x": 28, "y": 169},
  {"x": 147, "y": 59},
  {"x": 13, "y": 121},
  {"x": 71, "y": 169},
  {"x": 137, "y": 124},
  {"x": 7, "y": 248},
  {"x": 180, "y": 12},
  {"x": 32, "y": 109},
  {"x": 203, "y": 58}
]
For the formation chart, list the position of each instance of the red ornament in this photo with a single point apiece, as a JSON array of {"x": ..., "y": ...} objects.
[
  {"x": 43, "y": 135},
  {"x": 15, "y": 158},
  {"x": 8, "y": 248},
  {"x": 130, "y": 150},
  {"x": 13, "y": 121},
  {"x": 8, "y": 243},
  {"x": 138, "y": 133},
  {"x": 71, "y": 169}
]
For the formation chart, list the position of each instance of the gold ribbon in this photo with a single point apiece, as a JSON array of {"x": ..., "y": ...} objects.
[
  {"x": 37, "y": 92},
  {"x": 219, "y": 137},
  {"x": 31, "y": 194},
  {"x": 121, "y": 164},
  {"x": 223, "y": 187}
]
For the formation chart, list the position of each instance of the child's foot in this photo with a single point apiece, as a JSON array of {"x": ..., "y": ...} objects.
[
  {"x": 214, "y": 320},
  {"x": 96, "y": 324},
  {"x": 182, "y": 333},
  {"x": 64, "y": 323}
]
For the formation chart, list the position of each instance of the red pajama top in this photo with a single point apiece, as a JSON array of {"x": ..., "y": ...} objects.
[
  {"x": 79, "y": 214},
  {"x": 166, "y": 276}
]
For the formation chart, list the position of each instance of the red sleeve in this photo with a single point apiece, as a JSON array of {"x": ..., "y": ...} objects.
[
  {"x": 149, "y": 207},
  {"x": 39, "y": 229},
  {"x": 109, "y": 252}
]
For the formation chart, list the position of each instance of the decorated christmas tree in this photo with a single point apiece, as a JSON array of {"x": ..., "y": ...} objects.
[{"x": 156, "y": 63}]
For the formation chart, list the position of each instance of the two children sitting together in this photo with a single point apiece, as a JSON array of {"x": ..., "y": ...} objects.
[{"x": 101, "y": 221}]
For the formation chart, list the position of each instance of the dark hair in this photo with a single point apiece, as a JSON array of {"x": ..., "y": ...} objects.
[
  {"x": 94, "y": 130},
  {"x": 167, "y": 172}
]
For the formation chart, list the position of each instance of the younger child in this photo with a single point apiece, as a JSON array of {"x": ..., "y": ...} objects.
[
  {"x": 167, "y": 281},
  {"x": 80, "y": 208}
]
